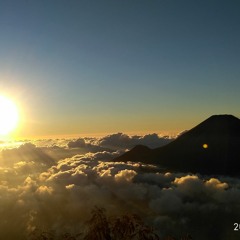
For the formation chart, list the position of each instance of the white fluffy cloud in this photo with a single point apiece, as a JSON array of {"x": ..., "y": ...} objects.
[{"x": 60, "y": 194}]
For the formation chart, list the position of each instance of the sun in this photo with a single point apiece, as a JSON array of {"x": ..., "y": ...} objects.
[{"x": 8, "y": 116}]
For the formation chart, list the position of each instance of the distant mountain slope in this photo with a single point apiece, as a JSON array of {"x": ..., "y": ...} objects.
[{"x": 212, "y": 147}]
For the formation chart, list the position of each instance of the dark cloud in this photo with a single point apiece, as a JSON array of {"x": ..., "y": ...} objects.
[
  {"x": 87, "y": 146},
  {"x": 120, "y": 140},
  {"x": 27, "y": 152},
  {"x": 78, "y": 143}
]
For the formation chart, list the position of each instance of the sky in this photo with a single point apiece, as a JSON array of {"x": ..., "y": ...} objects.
[{"x": 90, "y": 67}]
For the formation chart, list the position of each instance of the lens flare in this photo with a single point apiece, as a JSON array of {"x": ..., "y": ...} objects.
[{"x": 205, "y": 145}]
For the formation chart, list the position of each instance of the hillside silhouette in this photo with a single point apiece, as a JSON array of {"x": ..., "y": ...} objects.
[{"x": 212, "y": 147}]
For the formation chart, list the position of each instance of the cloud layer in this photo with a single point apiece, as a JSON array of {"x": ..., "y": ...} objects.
[
  {"x": 120, "y": 140},
  {"x": 58, "y": 194}
]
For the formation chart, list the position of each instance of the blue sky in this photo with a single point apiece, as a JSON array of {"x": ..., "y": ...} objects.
[{"x": 109, "y": 66}]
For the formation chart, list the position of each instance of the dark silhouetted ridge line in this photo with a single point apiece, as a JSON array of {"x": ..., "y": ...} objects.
[{"x": 212, "y": 147}]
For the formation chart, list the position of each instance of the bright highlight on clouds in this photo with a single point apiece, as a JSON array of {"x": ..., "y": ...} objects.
[{"x": 8, "y": 116}]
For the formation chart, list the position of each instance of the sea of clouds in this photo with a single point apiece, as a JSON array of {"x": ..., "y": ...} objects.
[{"x": 54, "y": 185}]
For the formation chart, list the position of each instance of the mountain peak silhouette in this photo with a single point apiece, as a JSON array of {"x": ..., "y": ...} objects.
[{"x": 212, "y": 147}]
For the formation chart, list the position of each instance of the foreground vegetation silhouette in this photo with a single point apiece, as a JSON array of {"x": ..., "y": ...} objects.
[{"x": 101, "y": 227}]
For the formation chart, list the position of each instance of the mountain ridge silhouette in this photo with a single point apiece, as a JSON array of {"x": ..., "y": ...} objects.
[{"x": 211, "y": 147}]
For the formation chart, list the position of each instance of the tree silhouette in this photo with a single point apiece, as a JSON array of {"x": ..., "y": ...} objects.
[
  {"x": 131, "y": 227},
  {"x": 98, "y": 226},
  {"x": 101, "y": 227}
]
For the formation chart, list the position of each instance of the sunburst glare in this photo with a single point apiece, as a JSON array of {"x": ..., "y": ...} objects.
[{"x": 9, "y": 116}]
